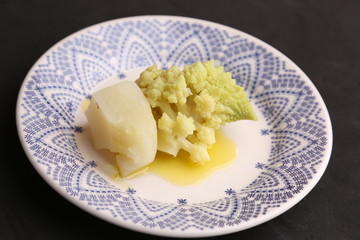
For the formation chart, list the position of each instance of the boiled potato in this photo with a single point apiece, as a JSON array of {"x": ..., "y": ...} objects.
[{"x": 121, "y": 121}]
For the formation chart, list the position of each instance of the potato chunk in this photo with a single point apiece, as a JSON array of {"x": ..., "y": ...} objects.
[{"x": 121, "y": 121}]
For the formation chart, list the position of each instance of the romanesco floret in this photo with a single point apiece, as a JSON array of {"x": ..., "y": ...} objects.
[{"x": 190, "y": 104}]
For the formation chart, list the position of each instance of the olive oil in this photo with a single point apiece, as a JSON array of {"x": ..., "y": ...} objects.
[{"x": 180, "y": 170}]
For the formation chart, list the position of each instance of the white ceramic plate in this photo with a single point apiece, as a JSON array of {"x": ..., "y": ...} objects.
[{"x": 281, "y": 157}]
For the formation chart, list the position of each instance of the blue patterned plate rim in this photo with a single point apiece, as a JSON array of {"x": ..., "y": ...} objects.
[{"x": 299, "y": 125}]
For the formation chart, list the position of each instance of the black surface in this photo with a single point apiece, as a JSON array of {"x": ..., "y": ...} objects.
[{"x": 322, "y": 37}]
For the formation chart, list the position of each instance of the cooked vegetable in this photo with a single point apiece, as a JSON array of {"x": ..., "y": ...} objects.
[
  {"x": 121, "y": 121},
  {"x": 190, "y": 104}
]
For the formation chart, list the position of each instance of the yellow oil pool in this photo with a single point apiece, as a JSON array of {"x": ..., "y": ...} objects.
[{"x": 182, "y": 171}]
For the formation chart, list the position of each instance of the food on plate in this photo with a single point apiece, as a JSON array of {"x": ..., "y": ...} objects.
[
  {"x": 181, "y": 171},
  {"x": 121, "y": 121},
  {"x": 190, "y": 104},
  {"x": 170, "y": 111}
]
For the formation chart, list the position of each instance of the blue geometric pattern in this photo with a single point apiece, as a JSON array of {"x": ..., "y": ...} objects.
[{"x": 297, "y": 122}]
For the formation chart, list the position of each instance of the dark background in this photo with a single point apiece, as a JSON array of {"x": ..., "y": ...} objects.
[{"x": 321, "y": 37}]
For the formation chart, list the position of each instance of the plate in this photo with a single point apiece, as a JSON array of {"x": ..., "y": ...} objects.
[{"x": 280, "y": 159}]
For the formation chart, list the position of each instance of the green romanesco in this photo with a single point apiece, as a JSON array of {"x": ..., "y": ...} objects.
[{"x": 190, "y": 104}]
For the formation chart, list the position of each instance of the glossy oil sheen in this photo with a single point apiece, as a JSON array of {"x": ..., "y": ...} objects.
[{"x": 182, "y": 171}]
